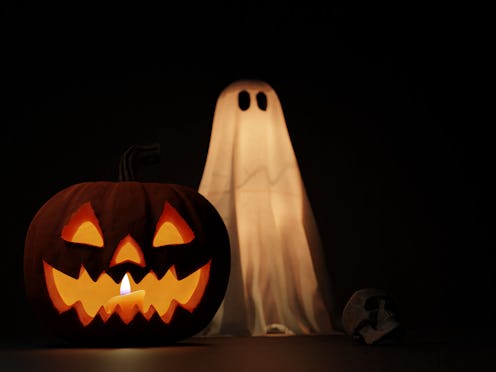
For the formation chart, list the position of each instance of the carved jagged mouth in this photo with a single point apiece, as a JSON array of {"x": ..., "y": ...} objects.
[{"x": 104, "y": 297}]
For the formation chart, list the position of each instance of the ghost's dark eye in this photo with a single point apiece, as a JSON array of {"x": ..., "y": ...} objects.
[
  {"x": 244, "y": 100},
  {"x": 262, "y": 101}
]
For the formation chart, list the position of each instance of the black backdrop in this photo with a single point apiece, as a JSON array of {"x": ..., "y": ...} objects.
[{"x": 381, "y": 104}]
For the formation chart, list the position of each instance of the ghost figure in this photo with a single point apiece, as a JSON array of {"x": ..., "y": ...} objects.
[{"x": 251, "y": 175}]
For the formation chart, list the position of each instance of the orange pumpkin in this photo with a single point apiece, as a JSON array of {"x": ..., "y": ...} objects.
[{"x": 126, "y": 262}]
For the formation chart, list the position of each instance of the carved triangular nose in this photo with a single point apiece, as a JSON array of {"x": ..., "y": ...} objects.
[{"x": 128, "y": 251}]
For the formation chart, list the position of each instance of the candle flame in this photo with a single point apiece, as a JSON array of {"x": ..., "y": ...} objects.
[{"x": 125, "y": 285}]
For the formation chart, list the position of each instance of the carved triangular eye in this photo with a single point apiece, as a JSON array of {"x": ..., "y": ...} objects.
[
  {"x": 83, "y": 227},
  {"x": 172, "y": 228}
]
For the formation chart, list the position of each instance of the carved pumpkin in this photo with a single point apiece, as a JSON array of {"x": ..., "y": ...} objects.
[{"x": 126, "y": 262}]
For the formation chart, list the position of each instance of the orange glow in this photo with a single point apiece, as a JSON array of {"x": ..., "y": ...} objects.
[
  {"x": 172, "y": 229},
  {"x": 128, "y": 251},
  {"x": 83, "y": 227},
  {"x": 102, "y": 297}
]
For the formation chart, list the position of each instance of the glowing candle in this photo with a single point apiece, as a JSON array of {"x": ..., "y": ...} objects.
[
  {"x": 129, "y": 302},
  {"x": 125, "y": 286}
]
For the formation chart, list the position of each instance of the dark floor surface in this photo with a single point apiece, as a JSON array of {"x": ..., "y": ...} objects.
[{"x": 331, "y": 353}]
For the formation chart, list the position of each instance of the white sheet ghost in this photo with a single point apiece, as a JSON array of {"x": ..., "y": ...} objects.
[{"x": 251, "y": 175}]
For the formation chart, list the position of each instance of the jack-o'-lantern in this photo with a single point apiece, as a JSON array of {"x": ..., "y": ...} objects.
[{"x": 126, "y": 262}]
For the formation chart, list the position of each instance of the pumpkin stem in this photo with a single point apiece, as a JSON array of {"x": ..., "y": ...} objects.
[{"x": 137, "y": 155}]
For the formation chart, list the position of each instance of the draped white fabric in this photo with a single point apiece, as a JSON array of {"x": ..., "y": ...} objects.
[{"x": 251, "y": 176}]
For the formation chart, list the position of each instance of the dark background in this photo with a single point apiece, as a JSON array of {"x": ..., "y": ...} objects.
[{"x": 383, "y": 105}]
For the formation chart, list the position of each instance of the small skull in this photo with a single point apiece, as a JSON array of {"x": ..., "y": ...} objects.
[{"x": 368, "y": 315}]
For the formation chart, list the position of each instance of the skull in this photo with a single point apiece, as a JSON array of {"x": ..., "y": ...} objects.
[{"x": 368, "y": 315}]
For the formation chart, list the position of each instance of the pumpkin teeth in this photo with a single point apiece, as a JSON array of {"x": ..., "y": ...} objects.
[
  {"x": 103, "y": 297},
  {"x": 149, "y": 313},
  {"x": 127, "y": 314},
  {"x": 103, "y": 314},
  {"x": 84, "y": 317}
]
